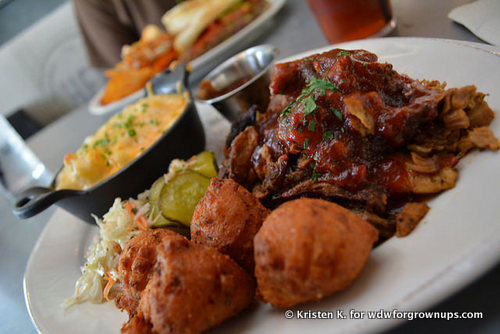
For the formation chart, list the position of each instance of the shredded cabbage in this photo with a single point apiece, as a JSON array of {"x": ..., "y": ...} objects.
[{"x": 115, "y": 231}]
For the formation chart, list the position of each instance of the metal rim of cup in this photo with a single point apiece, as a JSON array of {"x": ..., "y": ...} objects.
[{"x": 271, "y": 49}]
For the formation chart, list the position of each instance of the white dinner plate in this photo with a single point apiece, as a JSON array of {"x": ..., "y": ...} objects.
[
  {"x": 250, "y": 31},
  {"x": 457, "y": 241}
]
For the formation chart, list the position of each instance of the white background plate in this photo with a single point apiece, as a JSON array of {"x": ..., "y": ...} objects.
[
  {"x": 457, "y": 241},
  {"x": 210, "y": 57}
]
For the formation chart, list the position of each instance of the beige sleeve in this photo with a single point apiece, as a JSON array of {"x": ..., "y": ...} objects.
[{"x": 107, "y": 25}]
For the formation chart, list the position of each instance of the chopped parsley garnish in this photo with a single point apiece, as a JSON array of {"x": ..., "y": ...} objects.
[
  {"x": 309, "y": 105},
  {"x": 337, "y": 113},
  {"x": 328, "y": 135},
  {"x": 101, "y": 142},
  {"x": 154, "y": 121},
  {"x": 288, "y": 108},
  {"x": 312, "y": 126},
  {"x": 306, "y": 97},
  {"x": 128, "y": 124},
  {"x": 301, "y": 129},
  {"x": 320, "y": 85},
  {"x": 315, "y": 175},
  {"x": 365, "y": 64},
  {"x": 343, "y": 53},
  {"x": 306, "y": 142}
]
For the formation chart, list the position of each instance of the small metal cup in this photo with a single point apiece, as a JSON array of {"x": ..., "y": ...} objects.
[{"x": 253, "y": 65}]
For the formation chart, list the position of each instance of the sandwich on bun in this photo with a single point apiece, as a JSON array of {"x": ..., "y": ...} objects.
[{"x": 199, "y": 25}]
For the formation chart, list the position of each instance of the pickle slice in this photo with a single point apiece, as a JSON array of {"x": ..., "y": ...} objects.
[
  {"x": 155, "y": 192},
  {"x": 180, "y": 194},
  {"x": 157, "y": 218},
  {"x": 205, "y": 164}
]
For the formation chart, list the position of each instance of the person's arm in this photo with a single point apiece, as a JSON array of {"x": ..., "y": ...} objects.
[{"x": 105, "y": 27}]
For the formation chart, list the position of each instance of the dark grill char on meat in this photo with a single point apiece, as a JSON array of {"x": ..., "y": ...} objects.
[{"x": 344, "y": 127}]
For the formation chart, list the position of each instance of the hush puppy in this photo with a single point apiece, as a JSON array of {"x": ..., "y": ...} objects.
[
  {"x": 309, "y": 248},
  {"x": 136, "y": 265},
  {"x": 191, "y": 288},
  {"x": 227, "y": 218}
]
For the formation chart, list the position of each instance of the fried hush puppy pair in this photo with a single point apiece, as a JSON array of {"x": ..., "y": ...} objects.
[
  {"x": 171, "y": 285},
  {"x": 303, "y": 250}
]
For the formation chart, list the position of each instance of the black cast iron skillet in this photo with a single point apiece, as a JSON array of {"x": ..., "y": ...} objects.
[{"x": 184, "y": 139}]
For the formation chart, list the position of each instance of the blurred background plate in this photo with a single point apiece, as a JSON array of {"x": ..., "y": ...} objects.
[
  {"x": 206, "y": 61},
  {"x": 97, "y": 108}
]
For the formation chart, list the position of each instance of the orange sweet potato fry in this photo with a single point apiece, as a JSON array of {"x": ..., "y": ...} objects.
[
  {"x": 162, "y": 62},
  {"x": 124, "y": 83}
]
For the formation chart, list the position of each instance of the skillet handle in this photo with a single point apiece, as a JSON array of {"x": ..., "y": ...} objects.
[{"x": 35, "y": 200}]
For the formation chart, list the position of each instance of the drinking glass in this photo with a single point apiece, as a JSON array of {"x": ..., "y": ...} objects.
[
  {"x": 20, "y": 168},
  {"x": 346, "y": 20}
]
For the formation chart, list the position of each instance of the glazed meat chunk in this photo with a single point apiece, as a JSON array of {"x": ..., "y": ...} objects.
[
  {"x": 191, "y": 287},
  {"x": 227, "y": 218},
  {"x": 308, "y": 249},
  {"x": 344, "y": 127}
]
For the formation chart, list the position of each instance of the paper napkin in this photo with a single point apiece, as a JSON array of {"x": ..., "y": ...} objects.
[{"x": 481, "y": 17}]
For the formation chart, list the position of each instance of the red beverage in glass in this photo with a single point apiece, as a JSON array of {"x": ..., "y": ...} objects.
[{"x": 345, "y": 20}]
